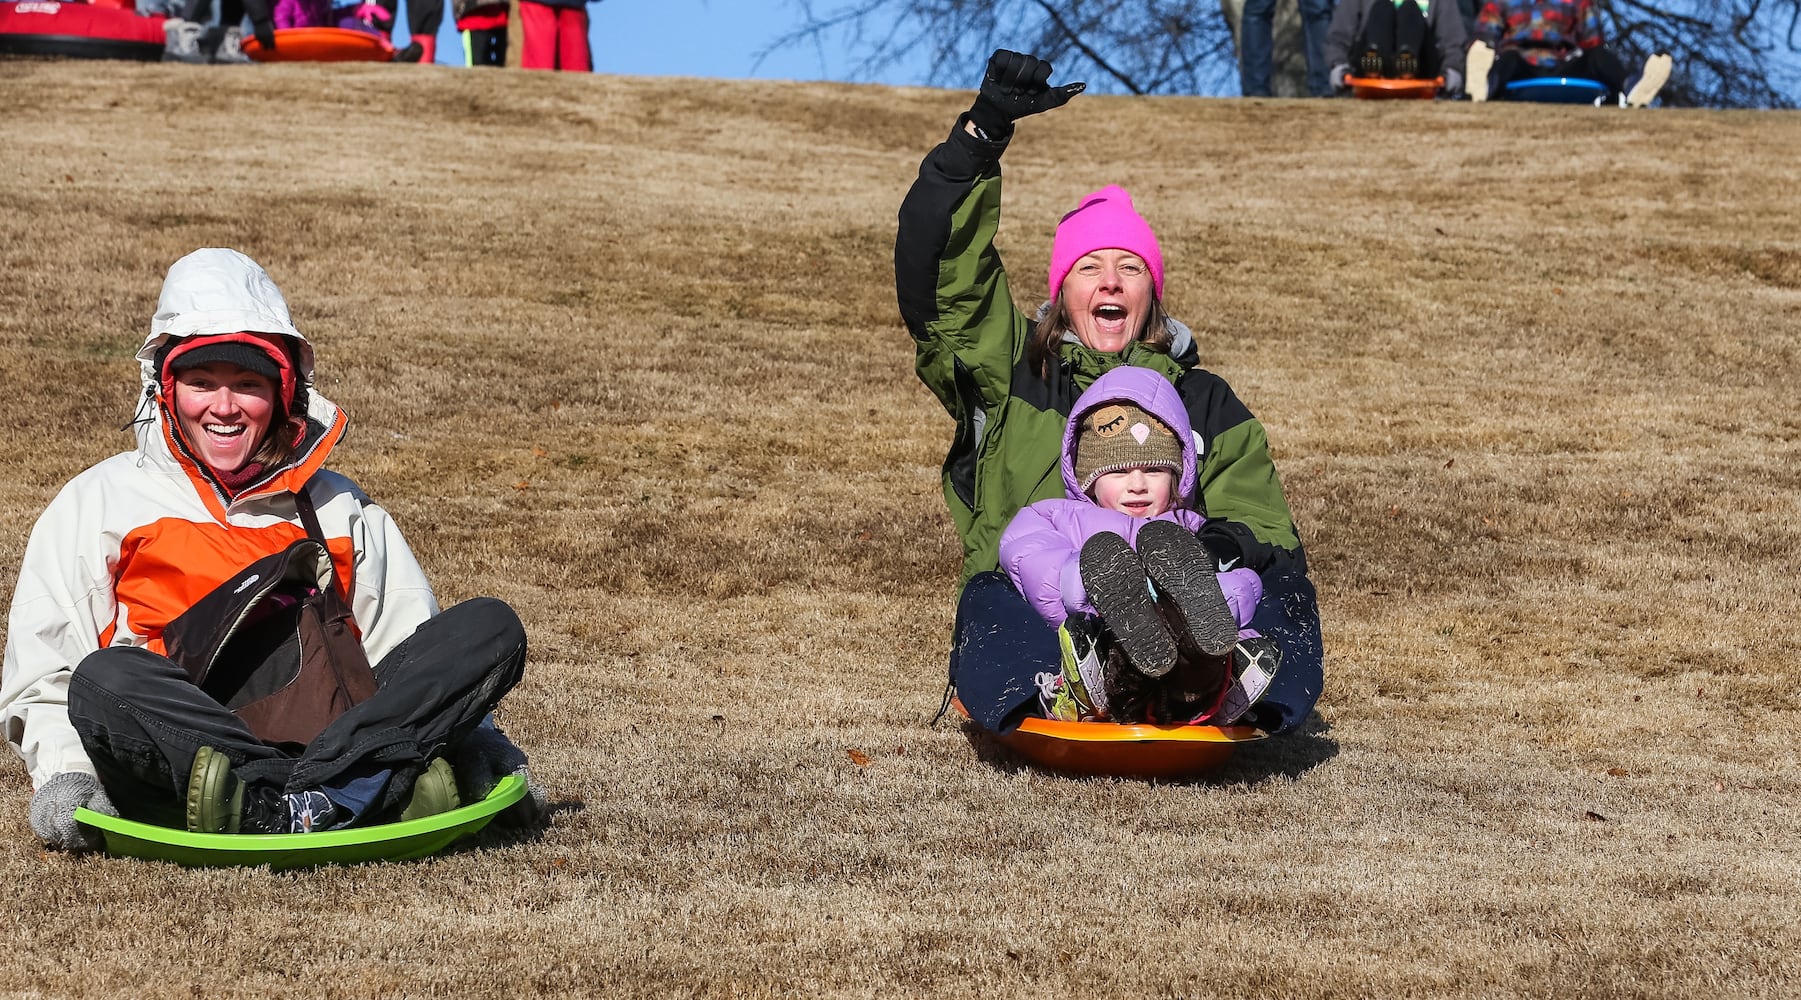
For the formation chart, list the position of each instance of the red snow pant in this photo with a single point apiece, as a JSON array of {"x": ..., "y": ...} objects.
[{"x": 554, "y": 37}]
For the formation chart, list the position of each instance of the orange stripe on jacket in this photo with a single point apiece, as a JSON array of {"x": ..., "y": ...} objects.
[{"x": 168, "y": 565}]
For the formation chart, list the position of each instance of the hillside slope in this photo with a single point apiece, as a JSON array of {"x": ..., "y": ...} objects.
[{"x": 625, "y": 353}]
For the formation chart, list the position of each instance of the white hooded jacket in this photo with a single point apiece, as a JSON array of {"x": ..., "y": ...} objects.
[{"x": 130, "y": 543}]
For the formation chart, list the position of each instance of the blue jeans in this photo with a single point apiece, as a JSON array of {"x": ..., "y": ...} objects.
[{"x": 1257, "y": 46}]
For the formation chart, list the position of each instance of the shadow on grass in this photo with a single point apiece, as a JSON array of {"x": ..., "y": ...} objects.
[
  {"x": 1289, "y": 755},
  {"x": 502, "y": 834}
]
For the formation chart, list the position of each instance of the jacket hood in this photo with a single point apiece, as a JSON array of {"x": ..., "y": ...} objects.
[
  {"x": 1149, "y": 391},
  {"x": 211, "y": 292},
  {"x": 215, "y": 291}
]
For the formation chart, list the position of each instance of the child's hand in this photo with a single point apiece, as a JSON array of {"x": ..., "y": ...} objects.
[{"x": 373, "y": 14}]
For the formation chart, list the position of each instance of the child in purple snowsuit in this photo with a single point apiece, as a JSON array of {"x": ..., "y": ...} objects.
[
  {"x": 1151, "y": 629},
  {"x": 357, "y": 16}
]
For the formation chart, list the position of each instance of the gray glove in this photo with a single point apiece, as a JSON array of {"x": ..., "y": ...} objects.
[
  {"x": 483, "y": 758},
  {"x": 1453, "y": 83},
  {"x": 1339, "y": 72},
  {"x": 53, "y": 811}
]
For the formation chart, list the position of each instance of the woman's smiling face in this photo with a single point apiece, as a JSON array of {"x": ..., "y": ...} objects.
[
  {"x": 224, "y": 411},
  {"x": 1107, "y": 297}
]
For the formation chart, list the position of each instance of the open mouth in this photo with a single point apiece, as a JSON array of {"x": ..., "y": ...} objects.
[
  {"x": 1110, "y": 319},
  {"x": 224, "y": 430}
]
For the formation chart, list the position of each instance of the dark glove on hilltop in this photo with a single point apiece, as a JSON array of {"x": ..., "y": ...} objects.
[
  {"x": 53, "y": 811},
  {"x": 262, "y": 23},
  {"x": 1016, "y": 86},
  {"x": 483, "y": 758}
]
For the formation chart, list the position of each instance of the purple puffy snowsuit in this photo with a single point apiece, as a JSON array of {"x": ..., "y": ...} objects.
[
  {"x": 1042, "y": 546},
  {"x": 326, "y": 14},
  {"x": 302, "y": 13}
]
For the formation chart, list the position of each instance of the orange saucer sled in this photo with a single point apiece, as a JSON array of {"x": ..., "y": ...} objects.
[
  {"x": 321, "y": 45},
  {"x": 1112, "y": 750},
  {"x": 1372, "y": 88}
]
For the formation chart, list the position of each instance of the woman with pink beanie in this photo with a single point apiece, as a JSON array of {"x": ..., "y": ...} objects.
[{"x": 1010, "y": 379}]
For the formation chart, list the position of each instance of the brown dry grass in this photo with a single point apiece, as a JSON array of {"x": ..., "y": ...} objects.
[{"x": 624, "y": 352}]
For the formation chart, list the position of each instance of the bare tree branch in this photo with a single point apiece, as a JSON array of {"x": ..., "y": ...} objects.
[
  {"x": 1076, "y": 40},
  {"x": 1727, "y": 53}
]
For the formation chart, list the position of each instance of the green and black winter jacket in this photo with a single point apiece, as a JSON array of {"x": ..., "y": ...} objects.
[{"x": 970, "y": 342}]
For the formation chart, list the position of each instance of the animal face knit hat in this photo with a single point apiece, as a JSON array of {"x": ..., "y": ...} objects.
[
  {"x": 1105, "y": 220},
  {"x": 1120, "y": 436}
]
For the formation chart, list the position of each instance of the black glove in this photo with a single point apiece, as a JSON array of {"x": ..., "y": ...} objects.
[
  {"x": 1235, "y": 546},
  {"x": 1015, "y": 86},
  {"x": 262, "y": 23}
]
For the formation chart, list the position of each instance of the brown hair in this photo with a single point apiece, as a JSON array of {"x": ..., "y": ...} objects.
[
  {"x": 281, "y": 442},
  {"x": 1047, "y": 333}
]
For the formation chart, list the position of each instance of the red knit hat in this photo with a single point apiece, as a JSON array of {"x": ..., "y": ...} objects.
[{"x": 263, "y": 353}]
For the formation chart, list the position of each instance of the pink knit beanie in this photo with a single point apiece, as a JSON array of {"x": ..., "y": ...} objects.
[{"x": 1105, "y": 220}]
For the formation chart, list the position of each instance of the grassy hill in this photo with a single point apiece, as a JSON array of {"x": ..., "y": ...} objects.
[{"x": 624, "y": 352}]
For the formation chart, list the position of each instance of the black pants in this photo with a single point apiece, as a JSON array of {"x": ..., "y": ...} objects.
[
  {"x": 487, "y": 48},
  {"x": 142, "y": 720},
  {"x": 1598, "y": 63},
  {"x": 423, "y": 17},
  {"x": 1393, "y": 29},
  {"x": 1000, "y": 645}
]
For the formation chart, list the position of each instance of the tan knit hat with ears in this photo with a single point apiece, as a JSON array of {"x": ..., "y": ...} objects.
[{"x": 1120, "y": 436}]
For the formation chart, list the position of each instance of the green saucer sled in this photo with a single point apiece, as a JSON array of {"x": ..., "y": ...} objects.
[{"x": 389, "y": 842}]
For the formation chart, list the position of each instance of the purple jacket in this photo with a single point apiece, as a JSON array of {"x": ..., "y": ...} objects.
[{"x": 1042, "y": 546}]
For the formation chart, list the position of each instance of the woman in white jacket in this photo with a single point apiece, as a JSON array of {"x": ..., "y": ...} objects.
[{"x": 214, "y": 631}]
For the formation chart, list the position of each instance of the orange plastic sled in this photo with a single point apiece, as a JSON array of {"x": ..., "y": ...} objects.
[
  {"x": 1372, "y": 88},
  {"x": 1113, "y": 750},
  {"x": 321, "y": 45}
]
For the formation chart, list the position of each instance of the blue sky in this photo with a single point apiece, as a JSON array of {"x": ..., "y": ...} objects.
[{"x": 717, "y": 38}]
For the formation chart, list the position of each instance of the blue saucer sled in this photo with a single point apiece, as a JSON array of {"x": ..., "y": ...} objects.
[
  {"x": 1555, "y": 90},
  {"x": 404, "y": 841}
]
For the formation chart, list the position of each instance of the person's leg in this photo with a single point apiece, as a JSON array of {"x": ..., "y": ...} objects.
[
  {"x": 142, "y": 720},
  {"x": 1509, "y": 66},
  {"x": 497, "y": 46},
  {"x": 1650, "y": 80},
  {"x": 1256, "y": 47},
  {"x": 999, "y": 646},
  {"x": 1316, "y": 20},
  {"x": 1413, "y": 42},
  {"x": 423, "y": 19},
  {"x": 538, "y": 22},
  {"x": 1600, "y": 64},
  {"x": 479, "y": 47},
  {"x": 572, "y": 40},
  {"x": 1479, "y": 70},
  {"x": 433, "y": 688},
  {"x": 1288, "y": 615},
  {"x": 1373, "y": 52}
]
